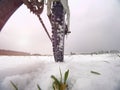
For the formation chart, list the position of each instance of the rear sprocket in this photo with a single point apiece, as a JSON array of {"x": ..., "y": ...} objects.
[{"x": 35, "y": 6}]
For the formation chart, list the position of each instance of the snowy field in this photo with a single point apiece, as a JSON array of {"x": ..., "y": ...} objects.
[{"x": 28, "y": 71}]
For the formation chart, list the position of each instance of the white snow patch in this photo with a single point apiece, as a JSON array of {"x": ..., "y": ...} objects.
[{"x": 28, "y": 71}]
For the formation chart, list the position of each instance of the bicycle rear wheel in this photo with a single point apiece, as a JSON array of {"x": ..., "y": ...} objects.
[{"x": 58, "y": 31}]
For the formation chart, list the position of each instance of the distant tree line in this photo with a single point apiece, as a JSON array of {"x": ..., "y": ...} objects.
[{"x": 98, "y": 52}]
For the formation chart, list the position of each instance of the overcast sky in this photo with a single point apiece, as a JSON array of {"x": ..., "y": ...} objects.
[{"x": 95, "y": 26}]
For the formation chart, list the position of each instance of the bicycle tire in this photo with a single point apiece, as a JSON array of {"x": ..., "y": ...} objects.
[{"x": 58, "y": 31}]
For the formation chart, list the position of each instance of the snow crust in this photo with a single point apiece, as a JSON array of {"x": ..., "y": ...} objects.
[{"x": 28, "y": 71}]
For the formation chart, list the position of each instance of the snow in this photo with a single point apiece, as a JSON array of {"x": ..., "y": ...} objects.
[{"x": 28, "y": 71}]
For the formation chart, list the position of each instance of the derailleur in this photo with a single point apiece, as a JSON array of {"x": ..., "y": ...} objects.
[{"x": 35, "y": 6}]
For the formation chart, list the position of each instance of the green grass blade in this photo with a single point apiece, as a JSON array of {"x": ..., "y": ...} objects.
[
  {"x": 38, "y": 87},
  {"x": 53, "y": 85},
  {"x": 66, "y": 76},
  {"x": 60, "y": 75},
  {"x": 94, "y": 72},
  {"x": 15, "y": 87},
  {"x": 55, "y": 79},
  {"x": 56, "y": 83}
]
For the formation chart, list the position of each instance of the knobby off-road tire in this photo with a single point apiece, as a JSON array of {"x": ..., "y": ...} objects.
[{"x": 58, "y": 31}]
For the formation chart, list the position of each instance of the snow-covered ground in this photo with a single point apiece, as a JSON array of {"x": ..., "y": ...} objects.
[{"x": 28, "y": 71}]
